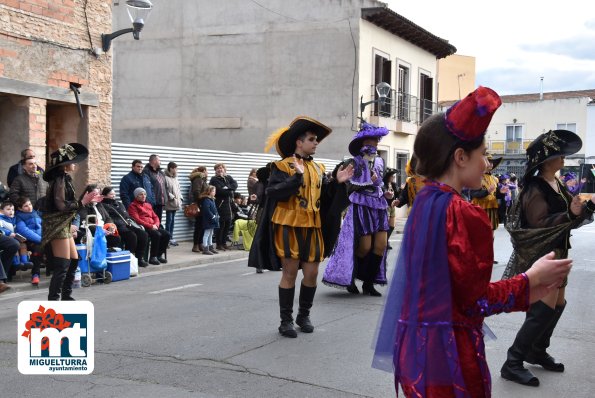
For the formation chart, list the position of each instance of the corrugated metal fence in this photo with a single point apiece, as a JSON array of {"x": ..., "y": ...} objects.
[{"x": 238, "y": 166}]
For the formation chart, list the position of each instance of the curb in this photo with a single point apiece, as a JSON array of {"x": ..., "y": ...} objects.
[{"x": 21, "y": 282}]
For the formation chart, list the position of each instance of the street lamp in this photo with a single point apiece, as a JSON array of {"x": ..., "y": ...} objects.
[
  {"x": 383, "y": 90},
  {"x": 138, "y": 11}
]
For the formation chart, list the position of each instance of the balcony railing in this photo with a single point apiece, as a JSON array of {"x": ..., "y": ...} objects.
[
  {"x": 508, "y": 147},
  {"x": 403, "y": 107}
]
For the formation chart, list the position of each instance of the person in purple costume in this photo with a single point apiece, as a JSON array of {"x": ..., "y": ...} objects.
[
  {"x": 360, "y": 252},
  {"x": 571, "y": 181}
]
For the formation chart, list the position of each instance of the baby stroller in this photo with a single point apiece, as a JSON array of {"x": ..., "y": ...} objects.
[{"x": 91, "y": 274}]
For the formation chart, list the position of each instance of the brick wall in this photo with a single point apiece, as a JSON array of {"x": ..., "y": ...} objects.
[{"x": 49, "y": 43}]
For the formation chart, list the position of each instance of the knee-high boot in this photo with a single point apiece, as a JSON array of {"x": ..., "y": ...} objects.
[
  {"x": 306, "y": 299},
  {"x": 67, "y": 284},
  {"x": 533, "y": 327},
  {"x": 60, "y": 266},
  {"x": 390, "y": 232},
  {"x": 286, "y": 308},
  {"x": 373, "y": 267},
  {"x": 539, "y": 355}
]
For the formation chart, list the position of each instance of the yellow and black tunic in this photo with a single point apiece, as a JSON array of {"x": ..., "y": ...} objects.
[
  {"x": 486, "y": 198},
  {"x": 296, "y": 218}
]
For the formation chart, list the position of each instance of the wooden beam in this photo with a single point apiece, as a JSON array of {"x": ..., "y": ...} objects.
[{"x": 51, "y": 93}]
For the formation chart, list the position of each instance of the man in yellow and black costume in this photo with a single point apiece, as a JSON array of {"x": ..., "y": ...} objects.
[{"x": 298, "y": 196}]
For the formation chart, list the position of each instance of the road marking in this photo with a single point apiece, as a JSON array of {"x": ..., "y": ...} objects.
[
  {"x": 167, "y": 271},
  {"x": 254, "y": 272},
  {"x": 175, "y": 288}
]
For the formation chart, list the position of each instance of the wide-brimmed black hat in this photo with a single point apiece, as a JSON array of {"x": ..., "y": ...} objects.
[
  {"x": 388, "y": 173},
  {"x": 494, "y": 161},
  {"x": 285, "y": 137},
  {"x": 549, "y": 145},
  {"x": 65, "y": 155}
]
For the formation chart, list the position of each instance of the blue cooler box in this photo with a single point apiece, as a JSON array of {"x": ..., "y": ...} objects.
[
  {"x": 83, "y": 262},
  {"x": 118, "y": 263}
]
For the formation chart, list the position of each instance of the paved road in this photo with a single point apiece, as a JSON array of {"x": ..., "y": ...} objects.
[{"x": 210, "y": 331}]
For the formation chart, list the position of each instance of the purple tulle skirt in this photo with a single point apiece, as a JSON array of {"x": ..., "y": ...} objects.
[{"x": 370, "y": 220}]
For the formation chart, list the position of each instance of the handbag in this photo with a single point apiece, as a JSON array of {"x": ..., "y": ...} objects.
[{"x": 192, "y": 210}]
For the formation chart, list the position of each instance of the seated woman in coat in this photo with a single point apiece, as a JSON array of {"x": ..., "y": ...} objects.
[
  {"x": 95, "y": 214},
  {"x": 142, "y": 212},
  {"x": 133, "y": 235}
]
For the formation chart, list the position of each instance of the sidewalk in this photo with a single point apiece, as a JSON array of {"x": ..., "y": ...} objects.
[{"x": 177, "y": 257}]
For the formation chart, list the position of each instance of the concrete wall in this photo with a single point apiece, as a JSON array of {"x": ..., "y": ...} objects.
[
  {"x": 456, "y": 77},
  {"x": 44, "y": 46},
  {"x": 224, "y": 75}
]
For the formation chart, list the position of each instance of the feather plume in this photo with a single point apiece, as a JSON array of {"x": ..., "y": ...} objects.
[{"x": 274, "y": 137}]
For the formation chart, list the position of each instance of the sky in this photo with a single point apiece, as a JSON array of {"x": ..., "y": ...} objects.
[{"x": 515, "y": 43}]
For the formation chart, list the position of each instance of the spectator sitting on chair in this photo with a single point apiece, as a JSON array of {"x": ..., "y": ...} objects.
[
  {"x": 135, "y": 239},
  {"x": 142, "y": 212},
  {"x": 97, "y": 212},
  {"x": 8, "y": 248},
  {"x": 28, "y": 224},
  {"x": 7, "y": 227}
]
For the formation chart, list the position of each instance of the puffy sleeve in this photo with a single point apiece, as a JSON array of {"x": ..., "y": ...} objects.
[
  {"x": 537, "y": 211},
  {"x": 281, "y": 185},
  {"x": 470, "y": 258}
]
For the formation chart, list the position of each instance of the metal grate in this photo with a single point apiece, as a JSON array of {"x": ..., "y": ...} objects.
[{"x": 238, "y": 166}]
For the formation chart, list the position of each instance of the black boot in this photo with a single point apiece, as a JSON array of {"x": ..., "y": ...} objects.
[
  {"x": 306, "y": 299},
  {"x": 532, "y": 328},
  {"x": 353, "y": 288},
  {"x": 390, "y": 232},
  {"x": 67, "y": 284},
  {"x": 539, "y": 355},
  {"x": 373, "y": 267},
  {"x": 286, "y": 307},
  {"x": 60, "y": 268}
]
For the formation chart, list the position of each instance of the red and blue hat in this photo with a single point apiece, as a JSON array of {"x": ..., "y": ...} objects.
[{"x": 469, "y": 118}]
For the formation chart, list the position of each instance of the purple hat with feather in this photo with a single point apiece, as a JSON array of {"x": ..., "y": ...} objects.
[{"x": 366, "y": 131}]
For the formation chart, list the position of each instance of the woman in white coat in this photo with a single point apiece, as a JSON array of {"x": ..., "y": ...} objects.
[{"x": 174, "y": 199}]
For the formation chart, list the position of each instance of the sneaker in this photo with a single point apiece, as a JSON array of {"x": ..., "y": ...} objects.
[
  {"x": 173, "y": 243},
  {"x": 35, "y": 280}
]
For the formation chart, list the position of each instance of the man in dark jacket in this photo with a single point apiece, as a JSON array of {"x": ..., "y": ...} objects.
[
  {"x": 135, "y": 179},
  {"x": 29, "y": 184},
  {"x": 17, "y": 169},
  {"x": 226, "y": 187},
  {"x": 155, "y": 173}
]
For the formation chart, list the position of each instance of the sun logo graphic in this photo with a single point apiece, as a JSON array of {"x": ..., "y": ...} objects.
[{"x": 56, "y": 337}]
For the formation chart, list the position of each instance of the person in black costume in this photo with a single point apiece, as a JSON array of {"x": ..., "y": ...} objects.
[
  {"x": 60, "y": 208},
  {"x": 546, "y": 212}
]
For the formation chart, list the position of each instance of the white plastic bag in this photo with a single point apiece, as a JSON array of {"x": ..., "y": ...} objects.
[
  {"x": 133, "y": 265},
  {"x": 77, "y": 279}
]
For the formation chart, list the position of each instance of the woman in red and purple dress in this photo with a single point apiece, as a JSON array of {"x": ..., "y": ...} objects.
[{"x": 431, "y": 332}]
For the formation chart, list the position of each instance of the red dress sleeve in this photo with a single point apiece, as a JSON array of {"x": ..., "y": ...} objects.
[{"x": 470, "y": 258}]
